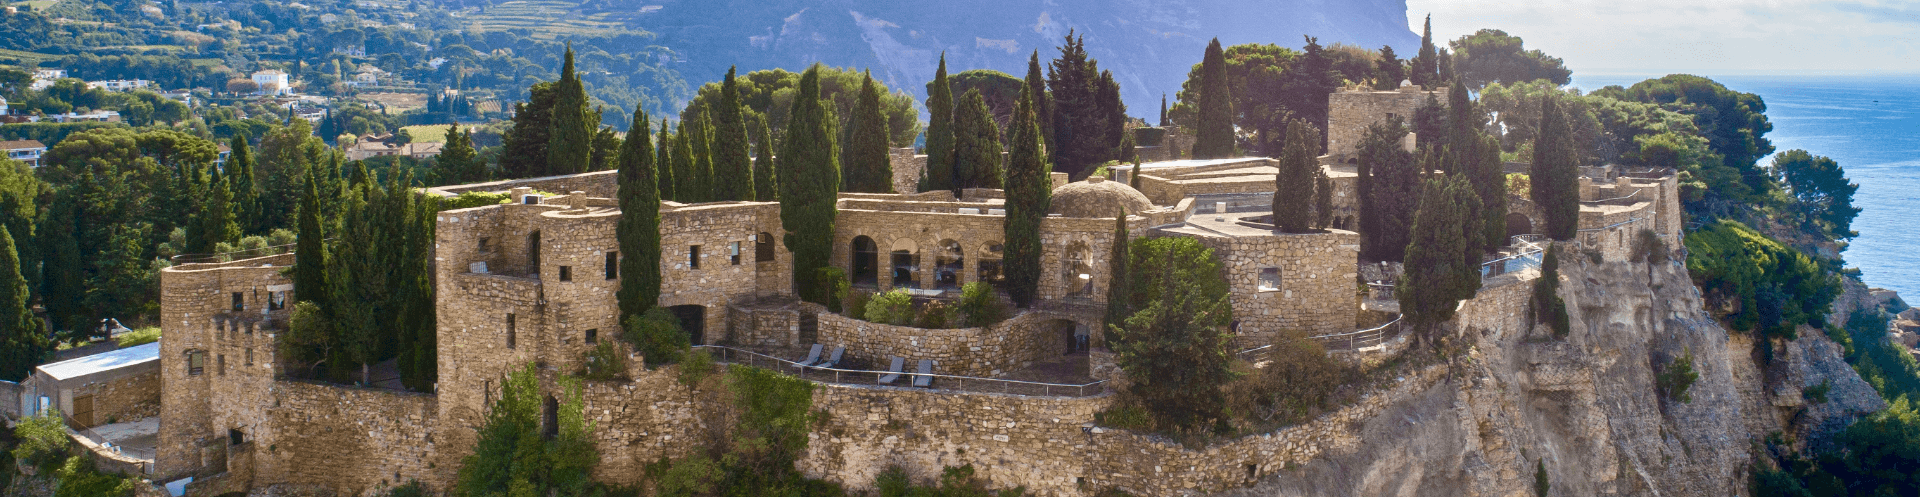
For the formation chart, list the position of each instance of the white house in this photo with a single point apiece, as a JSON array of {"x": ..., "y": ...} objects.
[
  {"x": 272, "y": 82},
  {"x": 27, "y": 151},
  {"x": 3, "y": 106},
  {"x": 120, "y": 85}
]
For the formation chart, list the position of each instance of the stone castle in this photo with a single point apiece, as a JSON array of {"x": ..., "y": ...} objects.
[{"x": 533, "y": 281}]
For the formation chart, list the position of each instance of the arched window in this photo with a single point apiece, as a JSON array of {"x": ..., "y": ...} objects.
[
  {"x": 950, "y": 264},
  {"x": 866, "y": 261},
  {"x": 1079, "y": 275},
  {"x": 763, "y": 247},
  {"x": 533, "y": 253}
]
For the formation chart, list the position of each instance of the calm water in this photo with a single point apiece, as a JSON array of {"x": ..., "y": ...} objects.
[{"x": 1871, "y": 125}]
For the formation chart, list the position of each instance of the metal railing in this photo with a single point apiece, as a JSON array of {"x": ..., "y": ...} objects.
[
  {"x": 231, "y": 256},
  {"x": 1352, "y": 340},
  {"x": 732, "y": 355},
  {"x": 1527, "y": 259}
]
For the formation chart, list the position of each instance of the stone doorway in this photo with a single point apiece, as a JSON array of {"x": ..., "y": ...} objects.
[
  {"x": 693, "y": 320},
  {"x": 866, "y": 262}
]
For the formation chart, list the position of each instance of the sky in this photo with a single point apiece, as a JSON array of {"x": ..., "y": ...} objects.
[{"x": 1724, "y": 37}]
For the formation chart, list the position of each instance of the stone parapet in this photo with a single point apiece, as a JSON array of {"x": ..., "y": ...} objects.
[{"x": 988, "y": 351}]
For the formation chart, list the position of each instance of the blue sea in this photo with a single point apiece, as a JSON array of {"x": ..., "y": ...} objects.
[{"x": 1871, "y": 126}]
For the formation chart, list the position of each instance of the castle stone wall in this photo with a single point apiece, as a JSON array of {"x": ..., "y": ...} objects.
[
  {"x": 989, "y": 351},
  {"x": 1349, "y": 112},
  {"x": 1317, "y": 286}
]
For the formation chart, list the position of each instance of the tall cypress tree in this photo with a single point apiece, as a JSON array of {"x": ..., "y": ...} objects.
[
  {"x": 1492, "y": 188},
  {"x": 1293, "y": 186},
  {"x": 1114, "y": 116},
  {"x": 1042, "y": 103},
  {"x": 570, "y": 146},
  {"x": 867, "y": 168},
  {"x": 523, "y": 148},
  {"x": 1322, "y": 198},
  {"x": 63, "y": 280},
  {"x": 1029, "y": 196},
  {"x": 686, "y": 185},
  {"x": 1163, "y": 110},
  {"x": 1431, "y": 286},
  {"x": 1554, "y": 175},
  {"x": 663, "y": 162},
  {"x": 976, "y": 144},
  {"x": 1214, "y": 137},
  {"x": 310, "y": 252},
  {"x": 244, "y": 188},
  {"x": 809, "y": 184},
  {"x": 24, "y": 342},
  {"x": 940, "y": 121},
  {"x": 1120, "y": 280},
  {"x": 732, "y": 169},
  {"x": 639, "y": 228},
  {"x": 700, "y": 141},
  {"x": 1425, "y": 68},
  {"x": 217, "y": 223},
  {"x": 764, "y": 179},
  {"x": 1392, "y": 179}
]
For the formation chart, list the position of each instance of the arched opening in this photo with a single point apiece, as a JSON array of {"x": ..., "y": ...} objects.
[
  {"x": 1518, "y": 224},
  {"x": 866, "y": 262},
  {"x": 949, "y": 263},
  {"x": 1079, "y": 271},
  {"x": 693, "y": 321},
  {"x": 550, "y": 417},
  {"x": 533, "y": 252},
  {"x": 988, "y": 265},
  {"x": 763, "y": 247},
  {"x": 906, "y": 265}
]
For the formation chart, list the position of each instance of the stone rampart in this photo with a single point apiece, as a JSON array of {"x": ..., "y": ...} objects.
[{"x": 982, "y": 352}]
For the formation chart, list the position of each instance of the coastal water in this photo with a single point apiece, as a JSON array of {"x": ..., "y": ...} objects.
[{"x": 1871, "y": 126}]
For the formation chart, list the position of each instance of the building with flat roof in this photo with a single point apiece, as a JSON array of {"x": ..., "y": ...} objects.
[{"x": 98, "y": 389}]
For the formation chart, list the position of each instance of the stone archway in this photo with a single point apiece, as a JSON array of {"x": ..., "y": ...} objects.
[
  {"x": 866, "y": 262},
  {"x": 950, "y": 264},
  {"x": 1078, "y": 274},
  {"x": 693, "y": 320},
  {"x": 1519, "y": 224}
]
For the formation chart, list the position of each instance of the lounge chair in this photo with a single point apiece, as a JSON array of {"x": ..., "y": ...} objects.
[
  {"x": 893, "y": 370},
  {"x": 813, "y": 357},
  {"x": 833, "y": 361},
  {"x": 925, "y": 378}
]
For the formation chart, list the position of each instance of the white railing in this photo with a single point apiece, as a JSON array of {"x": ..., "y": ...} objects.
[
  {"x": 1352, "y": 340},
  {"x": 1527, "y": 259},
  {"x": 732, "y": 355}
]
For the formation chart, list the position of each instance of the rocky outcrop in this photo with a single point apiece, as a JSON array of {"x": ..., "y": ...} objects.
[{"x": 1586, "y": 404}]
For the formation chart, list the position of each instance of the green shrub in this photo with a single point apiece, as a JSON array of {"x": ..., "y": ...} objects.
[
  {"x": 955, "y": 481},
  {"x": 658, "y": 337},
  {"x": 1540, "y": 483},
  {"x": 411, "y": 489},
  {"x": 604, "y": 362},
  {"x": 934, "y": 315},
  {"x": 832, "y": 283},
  {"x": 857, "y": 304},
  {"x": 895, "y": 308},
  {"x": 980, "y": 305},
  {"x": 1818, "y": 393},
  {"x": 1125, "y": 417},
  {"x": 141, "y": 336},
  {"x": 78, "y": 478},
  {"x": 473, "y": 199},
  {"x": 1676, "y": 377},
  {"x": 1648, "y": 247},
  {"x": 1547, "y": 304},
  {"x": 1755, "y": 283},
  {"x": 43, "y": 440}
]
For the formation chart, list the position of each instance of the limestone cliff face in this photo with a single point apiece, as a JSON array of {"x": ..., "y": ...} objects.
[{"x": 1586, "y": 403}]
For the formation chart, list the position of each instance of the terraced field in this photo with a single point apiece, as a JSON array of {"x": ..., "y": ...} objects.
[{"x": 547, "y": 19}]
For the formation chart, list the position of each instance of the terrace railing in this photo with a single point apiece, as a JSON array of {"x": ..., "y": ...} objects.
[
  {"x": 1359, "y": 340},
  {"x": 732, "y": 355}
]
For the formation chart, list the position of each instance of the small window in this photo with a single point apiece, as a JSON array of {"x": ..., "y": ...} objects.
[
  {"x": 613, "y": 265},
  {"x": 566, "y": 273},
  {"x": 239, "y": 301},
  {"x": 220, "y": 364},
  {"x": 763, "y": 248},
  {"x": 235, "y": 437},
  {"x": 510, "y": 330},
  {"x": 693, "y": 257},
  {"x": 593, "y": 336},
  {"x": 1270, "y": 279},
  {"x": 196, "y": 362},
  {"x": 733, "y": 253},
  {"x": 483, "y": 243},
  {"x": 276, "y": 300},
  {"x": 249, "y": 356}
]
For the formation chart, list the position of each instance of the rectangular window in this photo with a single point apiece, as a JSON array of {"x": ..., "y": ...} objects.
[
  {"x": 510, "y": 330},
  {"x": 763, "y": 248},
  {"x": 566, "y": 273},
  {"x": 239, "y": 301},
  {"x": 613, "y": 265},
  {"x": 693, "y": 257},
  {"x": 1270, "y": 279},
  {"x": 733, "y": 253},
  {"x": 196, "y": 363},
  {"x": 276, "y": 301},
  {"x": 220, "y": 364},
  {"x": 249, "y": 356},
  {"x": 483, "y": 243},
  {"x": 593, "y": 336}
]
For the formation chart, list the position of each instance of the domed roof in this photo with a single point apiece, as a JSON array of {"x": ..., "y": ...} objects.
[{"x": 1097, "y": 197}]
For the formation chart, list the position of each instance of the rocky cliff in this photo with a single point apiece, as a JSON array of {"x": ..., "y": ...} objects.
[{"x": 1586, "y": 404}]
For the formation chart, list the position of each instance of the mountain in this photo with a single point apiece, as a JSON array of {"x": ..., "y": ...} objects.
[{"x": 1148, "y": 44}]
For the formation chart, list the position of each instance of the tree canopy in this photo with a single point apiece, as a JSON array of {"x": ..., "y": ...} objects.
[{"x": 1493, "y": 56}]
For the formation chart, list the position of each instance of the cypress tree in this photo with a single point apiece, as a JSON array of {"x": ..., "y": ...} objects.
[
  {"x": 1554, "y": 174},
  {"x": 1467, "y": 203},
  {"x": 764, "y": 179},
  {"x": 940, "y": 131},
  {"x": 570, "y": 146},
  {"x": 1042, "y": 103},
  {"x": 523, "y": 148},
  {"x": 663, "y": 162},
  {"x": 809, "y": 185},
  {"x": 1163, "y": 110},
  {"x": 245, "y": 190},
  {"x": 1213, "y": 138},
  {"x": 701, "y": 142},
  {"x": 868, "y": 169},
  {"x": 606, "y": 145},
  {"x": 976, "y": 144},
  {"x": 1492, "y": 189},
  {"x": 1114, "y": 112},
  {"x": 732, "y": 169},
  {"x": 1425, "y": 66},
  {"x": 686, "y": 185},
  {"x": 63, "y": 279},
  {"x": 1294, "y": 184},
  {"x": 639, "y": 228},
  {"x": 1322, "y": 198},
  {"x": 1079, "y": 124},
  {"x": 1431, "y": 286},
  {"x": 217, "y": 223},
  {"x": 1127, "y": 151},
  {"x": 1120, "y": 280},
  {"x": 1029, "y": 196},
  {"x": 310, "y": 253},
  {"x": 24, "y": 341},
  {"x": 458, "y": 163}
]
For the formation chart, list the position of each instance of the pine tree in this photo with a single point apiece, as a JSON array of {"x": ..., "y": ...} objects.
[
  {"x": 1079, "y": 123},
  {"x": 523, "y": 148},
  {"x": 639, "y": 228},
  {"x": 1425, "y": 69},
  {"x": 765, "y": 188},
  {"x": 809, "y": 184},
  {"x": 1029, "y": 196},
  {"x": 310, "y": 254},
  {"x": 243, "y": 187},
  {"x": 1120, "y": 280},
  {"x": 940, "y": 131},
  {"x": 663, "y": 162},
  {"x": 570, "y": 146},
  {"x": 1293, "y": 185},
  {"x": 24, "y": 342},
  {"x": 1388, "y": 70},
  {"x": 1554, "y": 175},
  {"x": 976, "y": 144},
  {"x": 457, "y": 163},
  {"x": 606, "y": 146},
  {"x": 867, "y": 167},
  {"x": 1214, "y": 137},
  {"x": 732, "y": 169}
]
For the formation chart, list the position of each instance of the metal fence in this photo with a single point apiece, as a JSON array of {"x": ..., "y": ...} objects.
[
  {"x": 732, "y": 355},
  {"x": 1352, "y": 340}
]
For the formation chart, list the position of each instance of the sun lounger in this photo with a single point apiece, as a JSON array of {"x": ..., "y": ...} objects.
[
  {"x": 834, "y": 360},
  {"x": 813, "y": 356},
  {"x": 925, "y": 378},
  {"x": 893, "y": 370}
]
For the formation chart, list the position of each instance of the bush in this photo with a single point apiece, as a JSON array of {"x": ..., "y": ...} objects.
[
  {"x": 473, "y": 199},
  {"x": 1647, "y": 246},
  {"x": 603, "y": 363},
  {"x": 980, "y": 305},
  {"x": 141, "y": 336},
  {"x": 658, "y": 337},
  {"x": 895, "y": 308},
  {"x": 1125, "y": 417},
  {"x": 1818, "y": 393},
  {"x": 1755, "y": 283},
  {"x": 1299, "y": 381},
  {"x": 43, "y": 440},
  {"x": 833, "y": 285},
  {"x": 934, "y": 315},
  {"x": 411, "y": 489},
  {"x": 857, "y": 304},
  {"x": 1540, "y": 483},
  {"x": 954, "y": 482},
  {"x": 1676, "y": 377},
  {"x": 78, "y": 478}
]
